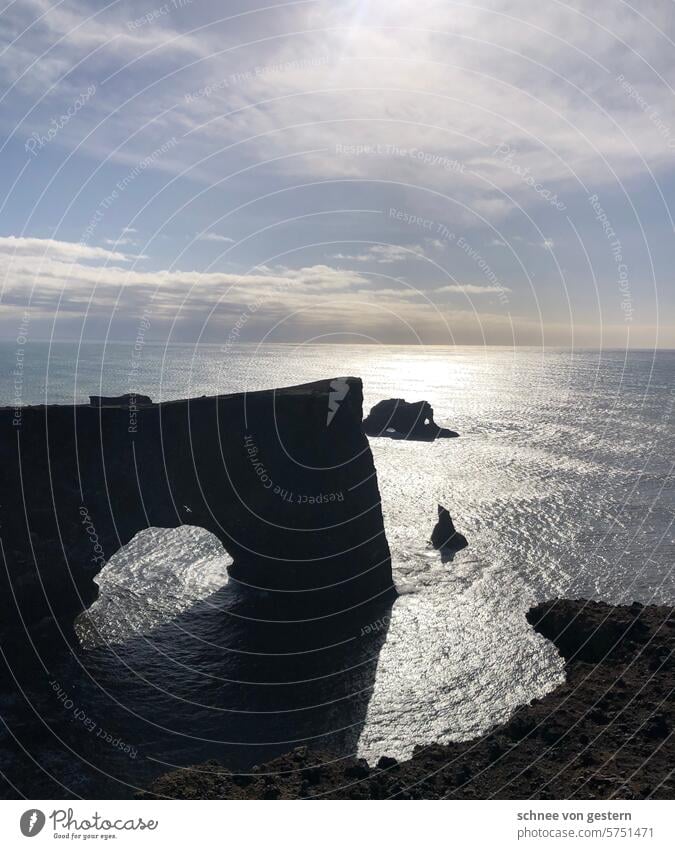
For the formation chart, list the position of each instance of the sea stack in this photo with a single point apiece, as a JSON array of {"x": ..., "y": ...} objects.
[
  {"x": 399, "y": 419},
  {"x": 444, "y": 535}
]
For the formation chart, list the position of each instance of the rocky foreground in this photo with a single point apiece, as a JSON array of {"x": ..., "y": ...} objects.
[{"x": 605, "y": 733}]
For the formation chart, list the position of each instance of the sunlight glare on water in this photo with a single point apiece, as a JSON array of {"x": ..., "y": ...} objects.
[{"x": 560, "y": 481}]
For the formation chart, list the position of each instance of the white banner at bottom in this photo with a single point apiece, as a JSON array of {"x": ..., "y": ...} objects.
[{"x": 328, "y": 824}]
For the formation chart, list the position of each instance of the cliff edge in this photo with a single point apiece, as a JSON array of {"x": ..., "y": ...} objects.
[{"x": 284, "y": 478}]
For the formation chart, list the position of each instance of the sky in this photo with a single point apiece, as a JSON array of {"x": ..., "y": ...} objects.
[{"x": 378, "y": 171}]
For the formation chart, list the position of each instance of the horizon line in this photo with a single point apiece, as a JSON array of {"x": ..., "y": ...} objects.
[{"x": 156, "y": 344}]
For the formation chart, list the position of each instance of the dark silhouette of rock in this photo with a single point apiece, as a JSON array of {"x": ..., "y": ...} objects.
[
  {"x": 444, "y": 534},
  {"x": 293, "y": 499},
  {"x": 584, "y": 634},
  {"x": 128, "y": 400},
  {"x": 399, "y": 419},
  {"x": 305, "y": 681}
]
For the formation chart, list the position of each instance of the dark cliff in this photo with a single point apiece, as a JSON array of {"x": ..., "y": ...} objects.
[{"x": 284, "y": 478}]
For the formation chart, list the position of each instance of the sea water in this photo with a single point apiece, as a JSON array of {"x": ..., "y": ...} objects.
[{"x": 561, "y": 481}]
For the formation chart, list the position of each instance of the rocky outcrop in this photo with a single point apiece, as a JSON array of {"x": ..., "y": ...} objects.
[
  {"x": 129, "y": 400},
  {"x": 591, "y": 633},
  {"x": 284, "y": 478},
  {"x": 398, "y": 419},
  {"x": 444, "y": 534},
  {"x": 606, "y": 733}
]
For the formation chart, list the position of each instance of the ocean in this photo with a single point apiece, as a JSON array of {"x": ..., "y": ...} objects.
[{"x": 561, "y": 481}]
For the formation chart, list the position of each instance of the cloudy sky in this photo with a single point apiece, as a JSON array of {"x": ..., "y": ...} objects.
[{"x": 497, "y": 172}]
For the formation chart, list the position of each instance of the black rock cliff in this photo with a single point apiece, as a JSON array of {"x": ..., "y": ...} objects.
[{"x": 284, "y": 478}]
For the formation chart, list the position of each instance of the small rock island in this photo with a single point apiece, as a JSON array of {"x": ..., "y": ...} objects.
[
  {"x": 399, "y": 419},
  {"x": 444, "y": 535}
]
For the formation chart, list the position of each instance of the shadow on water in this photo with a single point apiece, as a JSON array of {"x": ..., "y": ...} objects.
[{"x": 236, "y": 678}]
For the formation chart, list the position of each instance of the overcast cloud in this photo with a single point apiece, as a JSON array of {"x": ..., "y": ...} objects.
[{"x": 497, "y": 172}]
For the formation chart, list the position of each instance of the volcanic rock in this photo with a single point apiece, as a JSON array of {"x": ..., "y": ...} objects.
[
  {"x": 129, "y": 400},
  {"x": 399, "y": 419},
  {"x": 290, "y": 490},
  {"x": 444, "y": 534}
]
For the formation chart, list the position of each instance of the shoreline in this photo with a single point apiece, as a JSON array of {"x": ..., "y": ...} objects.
[{"x": 605, "y": 733}]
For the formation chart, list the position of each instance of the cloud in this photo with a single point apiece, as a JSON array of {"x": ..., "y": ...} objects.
[
  {"x": 52, "y": 273},
  {"x": 278, "y": 302},
  {"x": 213, "y": 237},
  {"x": 54, "y": 249},
  {"x": 442, "y": 84},
  {"x": 121, "y": 241},
  {"x": 472, "y": 289},
  {"x": 47, "y": 268},
  {"x": 384, "y": 254},
  {"x": 60, "y": 36},
  {"x": 282, "y": 114}
]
